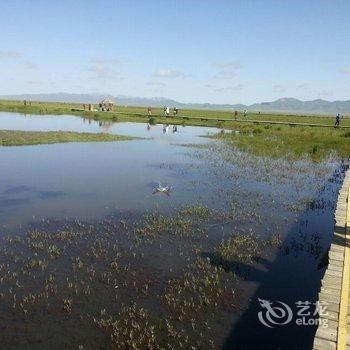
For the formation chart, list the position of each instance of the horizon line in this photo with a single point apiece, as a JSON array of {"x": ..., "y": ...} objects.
[{"x": 168, "y": 98}]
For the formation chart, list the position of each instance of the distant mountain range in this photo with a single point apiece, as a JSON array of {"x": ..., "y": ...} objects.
[{"x": 285, "y": 105}]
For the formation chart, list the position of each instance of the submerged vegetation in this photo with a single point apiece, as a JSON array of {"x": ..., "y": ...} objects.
[
  {"x": 21, "y": 138},
  {"x": 172, "y": 279},
  {"x": 100, "y": 274},
  {"x": 156, "y": 281}
]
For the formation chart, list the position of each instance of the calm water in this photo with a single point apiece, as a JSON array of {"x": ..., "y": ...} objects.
[
  {"x": 91, "y": 181},
  {"x": 88, "y": 180},
  {"x": 18, "y": 121}
]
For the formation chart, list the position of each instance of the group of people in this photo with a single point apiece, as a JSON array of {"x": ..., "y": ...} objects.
[
  {"x": 166, "y": 111},
  {"x": 245, "y": 114},
  {"x": 105, "y": 107}
]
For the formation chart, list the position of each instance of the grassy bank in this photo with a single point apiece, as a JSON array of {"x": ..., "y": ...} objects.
[
  {"x": 290, "y": 142},
  {"x": 123, "y": 113},
  {"x": 264, "y": 139},
  {"x": 21, "y": 138}
]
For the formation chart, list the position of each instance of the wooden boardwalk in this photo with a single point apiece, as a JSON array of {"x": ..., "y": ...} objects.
[
  {"x": 257, "y": 121},
  {"x": 253, "y": 121},
  {"x": 335, "y": 284}
]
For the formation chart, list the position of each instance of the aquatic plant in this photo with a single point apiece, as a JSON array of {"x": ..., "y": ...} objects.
[
  {"x": 165, "y": 281},
  {"x": 275, "y": 240},
  {"x": 67, "y": 305},
  {"x": 129, "y": 329},
  {"x": 198, "y": 288},
  {"x": 240, "y": 248},
  {"x": 195, "y": 211},
  {"x": 53, "y": 251}
]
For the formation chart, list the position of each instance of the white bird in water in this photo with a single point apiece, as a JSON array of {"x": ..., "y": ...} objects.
[{"x": 162, "y": 189}]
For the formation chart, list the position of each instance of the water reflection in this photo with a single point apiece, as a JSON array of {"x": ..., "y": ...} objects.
[
  {"x": 17, "y": 121},
  {"x": 239, "y": 196},
  {"x": 89, "y": 180}
]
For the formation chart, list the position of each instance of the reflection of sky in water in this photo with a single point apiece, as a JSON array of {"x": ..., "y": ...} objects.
[
  {"x": 91, "y": 179},
  {"x": 83, "y": 179},
  {"x": 17, "y": 121}
]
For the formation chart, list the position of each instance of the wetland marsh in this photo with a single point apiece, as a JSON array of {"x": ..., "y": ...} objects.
[{"x": 91, "y": 258}]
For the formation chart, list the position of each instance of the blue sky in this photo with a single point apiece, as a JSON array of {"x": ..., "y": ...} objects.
[{"x": 190, "y": 50}]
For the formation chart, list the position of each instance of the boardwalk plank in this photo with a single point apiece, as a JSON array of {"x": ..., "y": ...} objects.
[{"x": 335, "y": 282}]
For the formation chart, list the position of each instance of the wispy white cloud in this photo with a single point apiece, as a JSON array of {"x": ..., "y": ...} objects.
[
  {"x": 109, "y": 60},
  {"x": 224, "y": 75},
  {"x": 18, "y": 57},
  {"x": 156, "y": 83},
  {"x": 169, "y": 73},
  {"x": 302, "y": 86},
  {"x": 226, "y": 69},
  {"x": 279, "y": 88},
  {"x": 325, "y": 93},
  {"x": 11, "y": 55},
  {"x": 101, "y": 71},
  {"x": 237, "y": 87},
  {"x": 104, "y": 67},
  {"x": 30, "y": 65},
  {"x": 344, "y": 70},
  {"x": 233, "y": 65},
  {"x": 35, "y": 82}
]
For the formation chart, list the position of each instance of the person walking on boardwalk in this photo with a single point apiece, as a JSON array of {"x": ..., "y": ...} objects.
[
  {"x": 164, "y": 110},
  {"x": 167, "y": 111},
  {"x": 245, "y": 113},
  {"x": 337, "y": 120},
  {"x": 236, "y": 114},
  {"x": 149, "y": 109}
]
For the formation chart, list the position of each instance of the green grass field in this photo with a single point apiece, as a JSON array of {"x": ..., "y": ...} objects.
[
  {"x": 290, "y": 142},
  {"x": 140, "y": 114},
  {"x": 21, "y": 138},
  {"x": 268, "y": 140}
]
